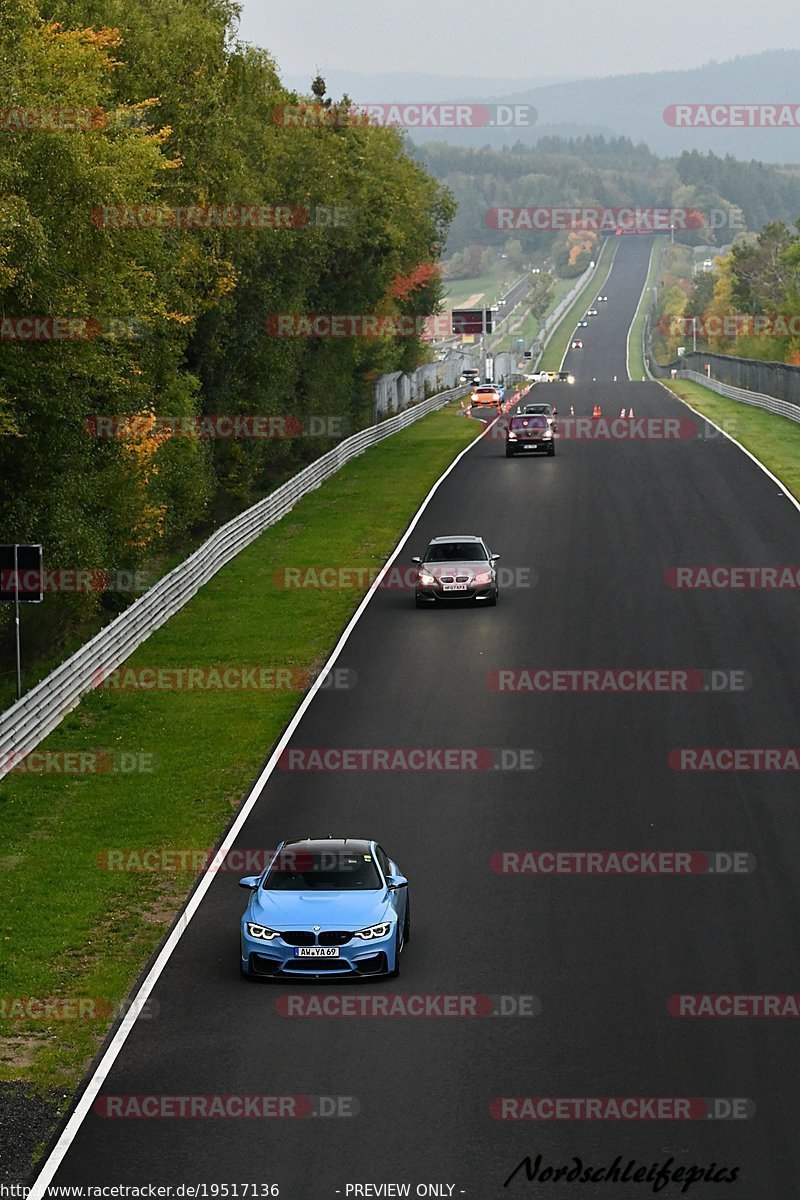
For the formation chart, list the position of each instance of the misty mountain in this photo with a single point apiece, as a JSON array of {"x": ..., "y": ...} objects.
[
  {"x": 616, "y": 105},
  {"x": 414, "y": 86}
]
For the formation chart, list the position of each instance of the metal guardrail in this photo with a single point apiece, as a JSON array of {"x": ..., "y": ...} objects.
[
  {"x": 783, "y": 408},
  {"x": 29, "y": 720}
]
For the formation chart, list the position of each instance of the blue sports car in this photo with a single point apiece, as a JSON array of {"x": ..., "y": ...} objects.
[{"x": 327, "y": 906}]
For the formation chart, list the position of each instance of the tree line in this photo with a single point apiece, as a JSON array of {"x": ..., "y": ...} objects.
[{"x": 156, "y": 209}]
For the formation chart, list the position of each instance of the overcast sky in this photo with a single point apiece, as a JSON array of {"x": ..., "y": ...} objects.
[{"x": 520, "y": 38}]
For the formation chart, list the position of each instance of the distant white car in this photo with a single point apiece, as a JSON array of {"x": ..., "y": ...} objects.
[
  {"x": 602, "y": 297},
  {"x": 577, "y": 344}
]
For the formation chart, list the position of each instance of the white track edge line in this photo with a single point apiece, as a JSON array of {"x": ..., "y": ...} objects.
[
  {"x": 101, "y": 1071},
  {"x": 731, "y": 438}
]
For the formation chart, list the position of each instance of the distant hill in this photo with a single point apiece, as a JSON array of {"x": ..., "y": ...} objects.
[
  {"x": 614, "y": 105},
  {"x": 410, "y": 86}
]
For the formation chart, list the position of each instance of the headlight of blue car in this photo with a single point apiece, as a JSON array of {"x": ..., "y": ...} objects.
[
  {"x": 261, "y": 931},
  {"x": 373, "y": 931}
]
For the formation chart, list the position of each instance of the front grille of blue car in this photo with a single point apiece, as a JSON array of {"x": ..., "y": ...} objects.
[
  {"x": 299, "y": 937},
  {"x": 305, "y": 937}
]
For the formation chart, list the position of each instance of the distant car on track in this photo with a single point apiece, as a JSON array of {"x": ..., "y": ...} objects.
[
  {"x": 468, "y": 375},
  {"x": 592, "y": 312},
  {"x": 577, "y": 344},
  {"x": 487, "y": 394},
  {"x": 583, "y": 324},
  {"x": 325, "y": 906},
  {"x": 456, "y": 567},
  {"x": 602, "y": 298},
  {"x": 532, "y": 434}
]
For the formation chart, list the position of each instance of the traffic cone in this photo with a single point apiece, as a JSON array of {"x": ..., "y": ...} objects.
[
  {"x": 630, "y": 412},
  {"x": 622, "y": 413},
  {"x": 596, "y": 411}
]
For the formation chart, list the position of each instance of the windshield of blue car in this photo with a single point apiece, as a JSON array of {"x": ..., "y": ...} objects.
[
  {"x": 443, "y": 552},
  {"x": 322, "y": 871}
]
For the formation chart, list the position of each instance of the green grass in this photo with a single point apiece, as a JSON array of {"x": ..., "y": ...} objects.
[
  {"x": 459, "y": 290},
  {"x": 556, "y": 348},
  {"x": 72, "y": 929},
  {"x": 636, "y": 339},
  {"x": 774, "y": 440}
]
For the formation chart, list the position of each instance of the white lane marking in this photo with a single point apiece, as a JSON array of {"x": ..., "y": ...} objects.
[
  {"x": 103, "y": 1068},
  {"x": 731, "y": 438}
]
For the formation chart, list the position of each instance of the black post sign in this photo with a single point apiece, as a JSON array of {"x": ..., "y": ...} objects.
[{"x": 21, "y": 582}]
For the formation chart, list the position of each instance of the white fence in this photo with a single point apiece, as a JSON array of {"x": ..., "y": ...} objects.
[
  {"x": 24, "y": 725},
  {"x": 783, "y": 408},
  {"x": 395, "y": 391}
]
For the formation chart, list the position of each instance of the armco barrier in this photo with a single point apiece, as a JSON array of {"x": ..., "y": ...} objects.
[
  {"x": 24, "y": 725},
  {"x": 783, "y": 408}
]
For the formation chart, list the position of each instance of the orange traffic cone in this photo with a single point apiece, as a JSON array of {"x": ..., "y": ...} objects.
[
  {"x": 630, "y": 412},
  {"x": 596, "y": 411}
]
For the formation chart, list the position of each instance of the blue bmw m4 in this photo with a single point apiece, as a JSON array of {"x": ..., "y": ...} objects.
[{"x": 326, "y": 906}]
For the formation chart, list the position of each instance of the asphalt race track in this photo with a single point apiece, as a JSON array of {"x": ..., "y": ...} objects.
[{"x": 596, "y": 527}]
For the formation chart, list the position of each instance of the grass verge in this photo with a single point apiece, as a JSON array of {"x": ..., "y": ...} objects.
[
  {"x": 636, "y": 335},
  {"x": 556, "y": 348},
  {"x": 774, "y": 440},
  {"x": 72, "y": 928}
]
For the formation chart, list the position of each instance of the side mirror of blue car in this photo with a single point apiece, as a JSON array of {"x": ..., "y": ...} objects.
[
  {"x": 393, "y": 882},
  {"x": 249, "y": 881}
]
